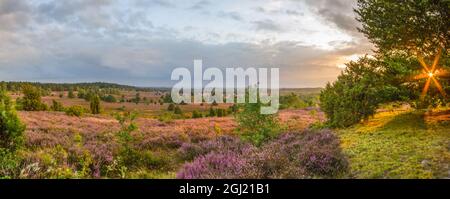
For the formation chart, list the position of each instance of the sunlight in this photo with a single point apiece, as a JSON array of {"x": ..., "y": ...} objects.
[{"x": 431, "y": 74}]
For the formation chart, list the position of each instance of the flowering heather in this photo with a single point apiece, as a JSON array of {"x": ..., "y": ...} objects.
[
  {"x": 306, "y": 154},
  {"x": 214, "y": 165},
  {"x": 189, "y": 151}
]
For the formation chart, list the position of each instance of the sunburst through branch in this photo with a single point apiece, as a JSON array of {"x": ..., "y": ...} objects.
[{"x": 431, "y": 73}]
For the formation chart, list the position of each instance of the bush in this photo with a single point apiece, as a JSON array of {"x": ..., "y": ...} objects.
[
  {"x": 196, "y": 114},
  {"x": 171, "y": 107},
  {"x": 177, "y": 110},
  {"x": 31, "y": 100},
  {"x": 11, "y": 129},
  {"x": 254, "y": 126},
  {"x": 75, "y": 111},
  {"x": 309, "y": 154},
  {"x": 9, "y": 164},
  {"x": 95, "y": 104},
  {"x": 227, "y": 165},
  {"x": 56, "y": 106},
  {"x": 189, "y": 151}
]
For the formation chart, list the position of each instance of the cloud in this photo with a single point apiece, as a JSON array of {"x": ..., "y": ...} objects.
[
  {"x": 200, "y": 5},
  {"x": 267, "y": 25},
  {"x": 232, "y": 15},
  {"x": 140, "y": 43}
]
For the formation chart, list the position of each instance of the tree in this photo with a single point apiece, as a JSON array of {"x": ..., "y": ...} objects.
[
  {"x": 254, "y": 126},
  {"x": 31, "y": 100},
  {"x": 56, "y": 106},
  {"x": 416, "y": 26},
  {"x": 356, "y": 94},
  {"x": 11, "y": 129},
  {"x": 71, "y": 95},
  {"x": 95, "y": 104}
]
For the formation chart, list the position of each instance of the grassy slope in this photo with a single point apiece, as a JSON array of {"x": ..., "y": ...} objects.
[{"x": 402, "y": 144}]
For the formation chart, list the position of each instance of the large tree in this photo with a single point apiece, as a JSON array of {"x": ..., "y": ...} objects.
[{"x": 416, "y": 26}]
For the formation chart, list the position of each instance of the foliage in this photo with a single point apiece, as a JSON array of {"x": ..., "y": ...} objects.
[
  {"x": 226, "y": 165},
  {"x": 416, "y": 26},
  {"x": 75, "y": 111},
  {"x": 254, "y": 126},
  {"x": 9, "y": 164},
  {"x": 292, "y": 155},
  {"x": 177, "y": 110},
  {"x": 31, "y": 100},
  {"x": 56, "y": 106},
  {"x": 95, "y": 104},
  {"x": 11, "y": 129},
  {"x": 356, "y": 94},
  {"x": 196, "y": 114},
  {"x": 189, "y": 151}
]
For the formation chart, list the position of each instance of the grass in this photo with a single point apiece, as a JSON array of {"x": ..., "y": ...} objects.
[{"x": 399, "y": 144}]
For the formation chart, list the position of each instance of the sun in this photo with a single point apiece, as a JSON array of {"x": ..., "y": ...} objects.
[{"x": 430, "y": 74}]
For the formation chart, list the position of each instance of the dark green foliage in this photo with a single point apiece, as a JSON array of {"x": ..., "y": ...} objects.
[
  {"x": 71, "y": 95},
  {"x": 196, "y": 114},
  {"x": 109, "y": 98},
  {"x": 355, "y": 95},
  {"x": 95, "y": 104},
  {"x": 254, "y": 126},
  {"x": 31, "y": 100},
  {"x": 417, "y": 26},
  {"x": 212, "y": 112},
  {"x": 221, "y": 113},
  {"x": 11, "y": 129},
  {"x": 177, "y": 110},
  {"x": 56, "y": 106}
]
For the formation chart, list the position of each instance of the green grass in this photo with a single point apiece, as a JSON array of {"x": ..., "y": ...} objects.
[{"x": 404, "y": 144}]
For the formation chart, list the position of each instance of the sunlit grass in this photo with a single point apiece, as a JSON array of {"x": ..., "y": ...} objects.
[{"x": 399, "y": 144}]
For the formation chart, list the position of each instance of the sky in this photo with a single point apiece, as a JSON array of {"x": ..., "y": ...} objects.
[{"x": 140, "y": 42}]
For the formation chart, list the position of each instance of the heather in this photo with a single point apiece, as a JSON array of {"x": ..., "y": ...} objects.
[{"x": 306, "y": 154}]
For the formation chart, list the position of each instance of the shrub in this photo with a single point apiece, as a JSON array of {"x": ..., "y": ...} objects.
[
  {"x": 95, "y": 104},
  {"x": 189, "y": 151},
  {"x": 196, "y": 114},
  {"x": 308, "y": 154},
  {"x": 177, "y": 110},
  {"x": 226, "y": 165},
  {"x": 56, "y": 106},
  {"x": 9, "y": 164},
  {"x": 254, "y": 126},
  {"x": 75, "y": 111},
  {"x": 31, "y": 100},
  {"x": 171, "y": 107},
  {"x": 11, "y": 129}
]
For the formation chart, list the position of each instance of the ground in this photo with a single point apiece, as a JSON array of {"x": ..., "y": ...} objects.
[{"x": 400, "y": 144}]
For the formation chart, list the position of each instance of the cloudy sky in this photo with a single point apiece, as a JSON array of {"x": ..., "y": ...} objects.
[{"x": 140, "y": 42}]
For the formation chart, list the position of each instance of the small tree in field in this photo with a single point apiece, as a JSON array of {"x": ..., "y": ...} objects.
[
  {"x": 11, "y": 129},
  {"x": 95, "y": 104},
  {"x": 31, "y": 100},
  {"x": 254, "y": 126}
]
